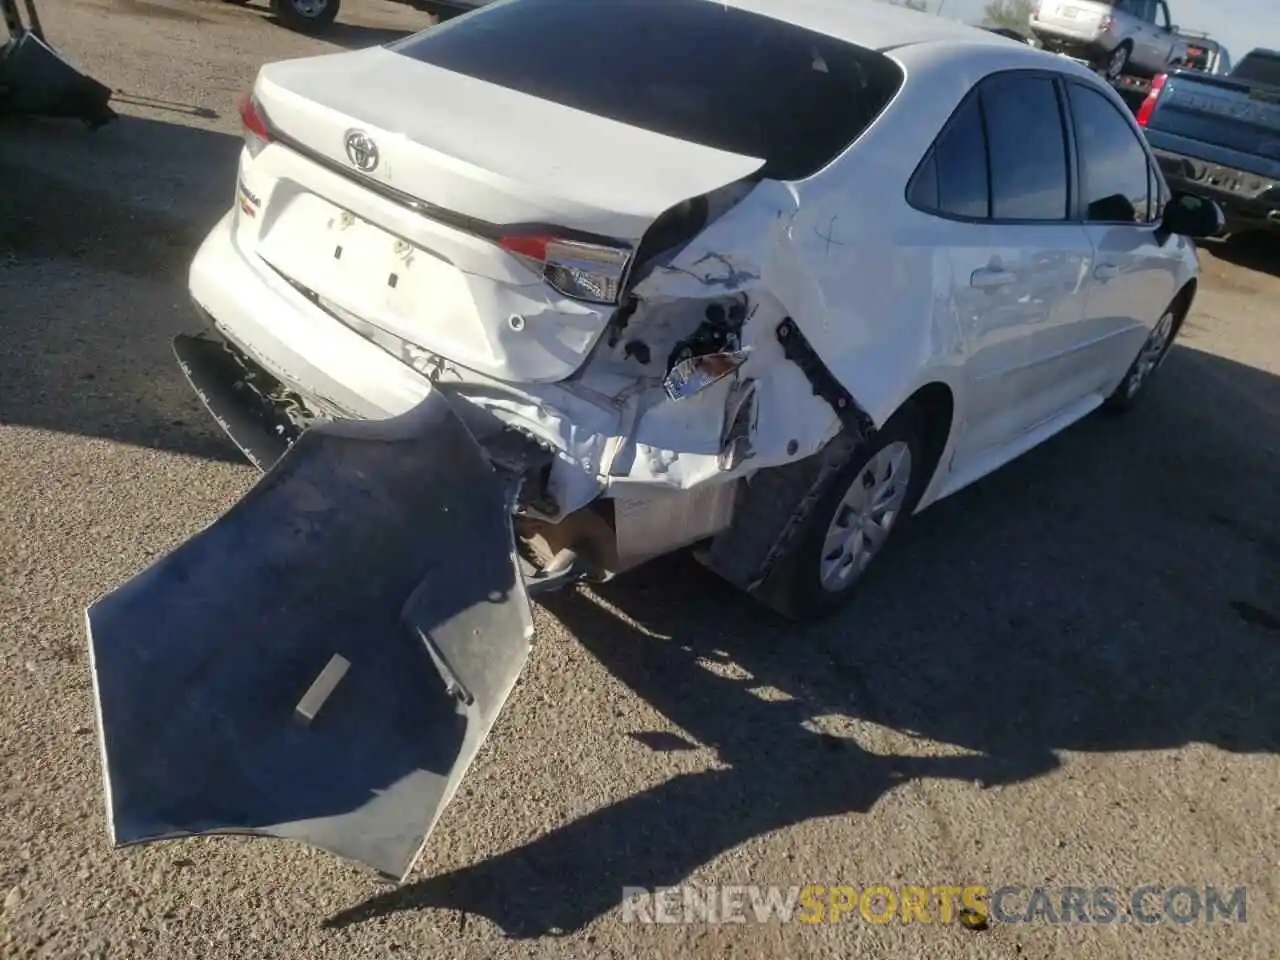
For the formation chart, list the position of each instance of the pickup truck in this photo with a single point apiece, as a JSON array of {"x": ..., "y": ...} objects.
[{"x": 1219, "y": 137}]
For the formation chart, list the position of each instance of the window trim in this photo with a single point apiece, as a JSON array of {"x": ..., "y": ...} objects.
[
  {"x": 1152, "y": 164},
  {"x": 1072, "y": 210}
]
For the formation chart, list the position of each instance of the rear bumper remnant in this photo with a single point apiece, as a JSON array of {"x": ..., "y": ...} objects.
[{"x": 367, "y": 584}]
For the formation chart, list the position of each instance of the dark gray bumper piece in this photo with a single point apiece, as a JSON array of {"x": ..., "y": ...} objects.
[
  {"x": 220, "y": 378},
  {"x": 35, "y": 81},
  {"x": 385, "y": 544}
]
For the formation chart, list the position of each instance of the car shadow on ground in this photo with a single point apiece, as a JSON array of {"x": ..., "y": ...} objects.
[
  {"x": 1252, "y": 251},
  {"x": 97, "y": 231},
  {"x": 1116, "y": 589}
]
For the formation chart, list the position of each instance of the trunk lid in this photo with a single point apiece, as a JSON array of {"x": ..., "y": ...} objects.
[
  {"x": 489, "y": 152},
  {"x": 411, "y": 243}
]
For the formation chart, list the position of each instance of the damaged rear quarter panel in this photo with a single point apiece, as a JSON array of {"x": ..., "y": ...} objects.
[
  {"x": 745, "y": 256},
  {"x": 874, "y": 307}
]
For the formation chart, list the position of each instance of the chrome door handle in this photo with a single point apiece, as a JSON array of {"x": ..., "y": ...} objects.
[
  {"x": 1106, "y": 271},
  {"x": 989, "y": 277}
]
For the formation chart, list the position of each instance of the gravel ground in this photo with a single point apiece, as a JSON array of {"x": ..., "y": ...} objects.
[{"x": 1068, "y": 674}]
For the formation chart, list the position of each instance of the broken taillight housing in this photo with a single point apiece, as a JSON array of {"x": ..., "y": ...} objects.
[
  {"x": 584, "y": 271},
  {"x": 695, "y": 374},
  {"x": 1149, "y": 105},
  {"x": 257, "y": 134}
]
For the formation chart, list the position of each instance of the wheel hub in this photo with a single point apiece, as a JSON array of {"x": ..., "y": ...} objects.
[{"x": 865, "y": 515}]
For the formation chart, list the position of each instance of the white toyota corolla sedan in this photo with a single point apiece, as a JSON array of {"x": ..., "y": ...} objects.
[
  {"x": 692, "y": 246},
  {"x": 562, "y": 286}
]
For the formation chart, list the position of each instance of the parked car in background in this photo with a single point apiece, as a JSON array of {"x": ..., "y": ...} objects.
[
  {"x": 1205, "y": 55},
  {"x": 315, "y": 16},
  {"x": 1219, "y": 137},
  {"x": 1117, "y": 36},
  {"x": 552, "y": 292}
]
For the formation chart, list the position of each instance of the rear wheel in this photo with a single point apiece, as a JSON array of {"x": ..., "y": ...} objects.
[
  {"x": 1118, "y": 61},
  {"x": 853, "y": 521},
  {"x": 306, "y": 16}
]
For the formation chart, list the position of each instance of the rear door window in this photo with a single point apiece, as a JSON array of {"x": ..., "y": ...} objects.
[
  {"x": 1027, "y": 147},
  {"x": 1135, "y": 8},
  {"x": 963, "y": 185},
  {"x": 1114, "y": 168},
  {"x": 1003, "y": 155},
  {"x": 705, "y": 72}
]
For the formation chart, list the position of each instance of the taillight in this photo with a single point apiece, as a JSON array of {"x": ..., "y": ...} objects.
[
  {"x": 1106, "y": 22},
  {"x": 585, "y": 271},
  {"x": 1149, "y": 105},
  {"x": 256, "y": 132}
]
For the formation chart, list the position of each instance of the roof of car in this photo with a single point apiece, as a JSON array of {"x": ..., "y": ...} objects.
[{"x": 868, "y": 23}]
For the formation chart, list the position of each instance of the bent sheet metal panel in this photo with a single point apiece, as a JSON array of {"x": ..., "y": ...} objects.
[{"x": 373, "y": 541}]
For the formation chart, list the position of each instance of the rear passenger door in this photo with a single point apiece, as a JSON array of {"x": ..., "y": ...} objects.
[
  {"x": 999, "y": 173},
  {"x": 1121, "y": 201}
]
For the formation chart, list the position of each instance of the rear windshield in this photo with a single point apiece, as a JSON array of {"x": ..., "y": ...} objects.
[
  {"x": 693, "y": 69},
  {"x": 1260, "y": 68},
  {"x": 1198, "y": 55}
]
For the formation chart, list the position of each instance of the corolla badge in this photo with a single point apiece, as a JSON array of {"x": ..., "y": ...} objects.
[{"x": 361, "y": 151}]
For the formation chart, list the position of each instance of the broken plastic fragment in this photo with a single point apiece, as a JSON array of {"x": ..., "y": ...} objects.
[
  {"x": 321, "y": 689},
  {"x": 695, "y": 374}
]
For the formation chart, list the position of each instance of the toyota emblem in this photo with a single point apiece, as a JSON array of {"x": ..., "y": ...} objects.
[{"x": 362, "y": 151}]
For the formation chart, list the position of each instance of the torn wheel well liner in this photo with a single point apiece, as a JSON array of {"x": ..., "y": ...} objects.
[
  {"x": 796, "y": 347},
  {"x": 937, "y": 407}
]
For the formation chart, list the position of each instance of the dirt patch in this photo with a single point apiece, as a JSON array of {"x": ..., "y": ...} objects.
[{"x": 145, "y": 8}]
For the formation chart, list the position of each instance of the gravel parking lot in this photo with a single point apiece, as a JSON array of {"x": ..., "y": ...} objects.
[{"x": 1069, "y": 674}]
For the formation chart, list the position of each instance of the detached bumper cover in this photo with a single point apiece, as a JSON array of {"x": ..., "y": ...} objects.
[
  {"x": 35, "y": 81},
  {"x": 384, "y": 544},
  {"x": 222, "y": 379}
]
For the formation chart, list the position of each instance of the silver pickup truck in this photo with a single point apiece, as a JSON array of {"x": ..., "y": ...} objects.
[{"x": 1117, "y": 36}]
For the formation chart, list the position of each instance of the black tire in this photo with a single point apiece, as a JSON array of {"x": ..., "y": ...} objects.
[
  {"x": 1110, "y": 69},
  {"x": 440, "y": 11},
  {"x": 795, "y": 587},
  {"x": 301, "y": 21},
  {"x": 1140, "y": 372}
]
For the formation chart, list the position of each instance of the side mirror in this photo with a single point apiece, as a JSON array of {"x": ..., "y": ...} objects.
[{"x": 1194, "y": 217}]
